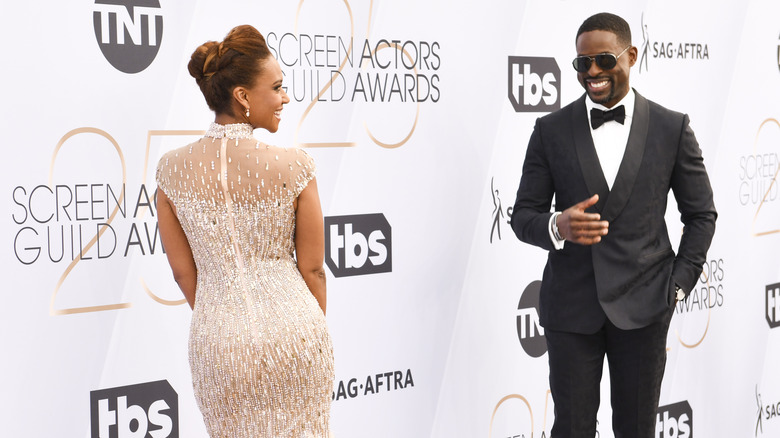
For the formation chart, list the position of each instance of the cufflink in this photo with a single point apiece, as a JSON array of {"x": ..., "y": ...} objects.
[{"x": 680, "y": 294}]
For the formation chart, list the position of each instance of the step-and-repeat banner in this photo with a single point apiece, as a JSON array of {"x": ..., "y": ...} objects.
[{"x": 418, "y": 114}]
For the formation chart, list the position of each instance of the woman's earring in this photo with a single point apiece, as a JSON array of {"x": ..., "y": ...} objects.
[{"x": 247, "y": 112}]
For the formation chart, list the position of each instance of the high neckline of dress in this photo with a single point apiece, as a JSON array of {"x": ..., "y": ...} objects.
[{"x": 233, "y": 130}]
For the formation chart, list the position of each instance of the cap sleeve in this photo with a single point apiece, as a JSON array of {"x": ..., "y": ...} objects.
[
  {"x": 163, "y": 174},
  {"x": 306, "y": 170}
]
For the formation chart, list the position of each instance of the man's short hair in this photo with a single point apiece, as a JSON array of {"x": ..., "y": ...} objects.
[{"x": 607, "y": 22}]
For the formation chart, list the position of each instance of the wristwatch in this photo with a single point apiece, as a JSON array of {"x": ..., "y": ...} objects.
[
  {"x": 680, "y": 294},
  {"x": 555, "y": 231}
]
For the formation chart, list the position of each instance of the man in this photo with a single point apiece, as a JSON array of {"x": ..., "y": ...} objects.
[{"x": 612, "y": 277}]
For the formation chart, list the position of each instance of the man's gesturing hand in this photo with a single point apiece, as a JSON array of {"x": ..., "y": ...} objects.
[{"x": 576, "y": 226}]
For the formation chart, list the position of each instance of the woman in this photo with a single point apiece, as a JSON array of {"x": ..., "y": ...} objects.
[{"x": 242, "y": 227}]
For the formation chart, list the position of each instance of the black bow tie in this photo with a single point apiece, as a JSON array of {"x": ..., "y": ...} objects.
[{"x": 598, "y": 117}]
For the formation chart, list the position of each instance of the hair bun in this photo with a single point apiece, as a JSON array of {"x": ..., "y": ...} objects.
[
  {"x": 242, "y": 38},
  {"x": 219, "y": 67},
  {"x": 201, "y": 65}
]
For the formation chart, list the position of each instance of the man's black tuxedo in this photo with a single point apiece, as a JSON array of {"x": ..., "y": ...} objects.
[{"x": 630, "y": 276}]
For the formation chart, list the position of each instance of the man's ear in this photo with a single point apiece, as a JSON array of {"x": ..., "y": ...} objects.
[{"x": 633, "y": 54}]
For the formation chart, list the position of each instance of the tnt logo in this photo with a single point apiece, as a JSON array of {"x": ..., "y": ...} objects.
[
  {"x": 534, "y": 84},
  {"x": 148, "y": 410},
  {"x": 674, "y": 421},
  {"x": 530, "y": 333},
  {"x": 358, "y": 244},
  {"x": 773, "y": 305},
  {"x": 129, "y": 32}
]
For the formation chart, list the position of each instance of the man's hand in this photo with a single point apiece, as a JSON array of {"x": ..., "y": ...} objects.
[{"x": 576, "y": 226}]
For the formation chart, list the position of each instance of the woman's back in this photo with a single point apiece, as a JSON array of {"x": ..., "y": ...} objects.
[
  {"x": 235, "y": 196},
  {"x": 254, "y": 315}
]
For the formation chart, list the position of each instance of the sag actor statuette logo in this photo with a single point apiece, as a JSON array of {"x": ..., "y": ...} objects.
[
  {"x": 498, "y": 214},
  {"x": 669, "y": 50},
  {"x": 767, "y": 414}
]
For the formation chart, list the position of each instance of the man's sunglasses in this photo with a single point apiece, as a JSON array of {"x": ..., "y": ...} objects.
[{"x": 605, "y": 61}]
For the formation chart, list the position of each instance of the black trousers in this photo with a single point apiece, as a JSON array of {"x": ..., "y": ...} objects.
[{"x": 636, "y": 358}]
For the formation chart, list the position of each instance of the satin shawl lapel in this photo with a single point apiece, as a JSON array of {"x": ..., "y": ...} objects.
[
  {"x": 586, "y": 155},
  {"x": 632, "y": 160}
]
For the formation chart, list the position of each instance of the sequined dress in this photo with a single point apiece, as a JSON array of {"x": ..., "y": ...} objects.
[{"x": 259, "y": 349}]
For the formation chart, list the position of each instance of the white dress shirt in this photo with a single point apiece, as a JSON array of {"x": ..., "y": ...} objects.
[{"x": 610, "y": 140}]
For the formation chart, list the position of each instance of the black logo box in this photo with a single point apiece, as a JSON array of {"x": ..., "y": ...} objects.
[
  {"x": 142, "y": 395},
  {"x": 363, "y": 224}
]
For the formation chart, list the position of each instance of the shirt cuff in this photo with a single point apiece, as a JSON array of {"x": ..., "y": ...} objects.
[{"x": 557, "y": 243}]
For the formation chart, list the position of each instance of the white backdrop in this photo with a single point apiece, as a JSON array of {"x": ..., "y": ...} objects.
[{"x": 417, "y": 137}]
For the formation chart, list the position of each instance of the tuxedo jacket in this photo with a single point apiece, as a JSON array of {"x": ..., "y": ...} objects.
[{"x": 630, "y": 276}]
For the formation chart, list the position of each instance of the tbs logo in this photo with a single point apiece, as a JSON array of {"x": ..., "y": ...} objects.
[
  {"x": 129, "y": 32},
  {"x": 534, "y": 84},
  {"x": 358, "y": 244},
  {"x": 773, "y": 305},
  {"x": 148, "y": 410},
  {"x": 674, "y": 421}
]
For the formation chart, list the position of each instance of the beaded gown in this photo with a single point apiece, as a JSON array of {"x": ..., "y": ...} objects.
[{"x": 259, "y": 349}]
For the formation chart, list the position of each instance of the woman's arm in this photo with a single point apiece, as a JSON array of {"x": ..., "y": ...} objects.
[
  {"x": 177, "y": 248},
  {"x": 310, "y": 241}
]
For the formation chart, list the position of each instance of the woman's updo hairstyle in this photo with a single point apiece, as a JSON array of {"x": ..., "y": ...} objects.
[{"x": 220, "y": 67}]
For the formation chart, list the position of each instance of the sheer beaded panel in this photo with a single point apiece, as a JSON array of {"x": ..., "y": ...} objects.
[{"x": 260, "y": 353}]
